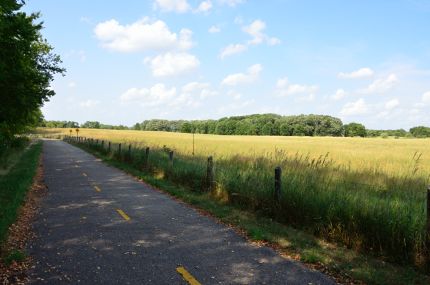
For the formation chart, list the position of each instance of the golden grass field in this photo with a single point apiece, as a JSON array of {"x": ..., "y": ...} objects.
[
  {"x": 369, "y": 193},
  {"x": 390, "y": 156}
]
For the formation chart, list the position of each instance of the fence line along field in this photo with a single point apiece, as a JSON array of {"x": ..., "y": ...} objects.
[
  {"x": 366, "y": 193},
  {"x": 391, "y": 156}
]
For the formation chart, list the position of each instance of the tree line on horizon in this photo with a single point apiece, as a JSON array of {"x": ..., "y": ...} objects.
[{"x": 256, "y": 124}]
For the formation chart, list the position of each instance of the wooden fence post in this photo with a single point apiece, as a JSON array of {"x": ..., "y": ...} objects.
[
  {"x": 210, "y": 174},
  {"x": 171, "y": 158},
  {"x": 103, "y": 144},
  {"x": 146, "y": 165},
  {"x": 97, "y": 141},
  {"x": 109, "y": 147},
  {"x": 129, "y": 152},
  {"x": 277, "y": 193},
  {"x": 119, "y": 149}
]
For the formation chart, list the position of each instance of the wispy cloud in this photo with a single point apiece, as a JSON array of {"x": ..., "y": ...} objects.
[
  {"x": 360, "y": 73},
  {"x": 250, "y": 76}
]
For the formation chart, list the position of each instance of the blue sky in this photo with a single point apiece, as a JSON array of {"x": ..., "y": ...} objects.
[{"x": 127, "y": 61}]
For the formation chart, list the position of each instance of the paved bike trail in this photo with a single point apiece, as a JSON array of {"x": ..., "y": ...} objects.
[{"x": 98, "y": 225}]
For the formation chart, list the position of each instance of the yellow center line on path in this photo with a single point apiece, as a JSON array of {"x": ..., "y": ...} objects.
[
  {"x": 187, "y": 276},
  {"x": 124, "y": 215},
  {"x": 97, "y": 188},
  {"x": 84, "y": 174}
]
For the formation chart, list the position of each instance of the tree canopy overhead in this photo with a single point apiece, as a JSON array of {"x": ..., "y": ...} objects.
[{"x": 27, "y": 66}]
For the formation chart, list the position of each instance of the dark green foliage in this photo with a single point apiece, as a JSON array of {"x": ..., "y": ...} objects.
[
  {"x": 91, "y": 125},
  {"x": 257, "y": 124},
  {"x": 420, "y": 132},
  {"x": 11, "y": 148},
  {"x": 87, "y": 124},
  {"x": 355, "y": 130},
  {"x": 391, "y": 133},
  {"x": 27, "y": 66},
  {"x": 15, "y": 255},
  {"x": 59, "y": 124}
]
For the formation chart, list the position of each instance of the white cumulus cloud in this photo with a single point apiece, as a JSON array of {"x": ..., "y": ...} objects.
[
  {"x": 179, "y": 6},
  {"x": 232, "y": 49},
  {"x": 250, "y": 76},
  {"x": 381, "y": 85},
  {"x": 160, "y": 96},
  {"x": 340, "y": 94},
  {"x": 285, "y": 88},
  {"x": 194, "y": 86},
  {"x": 358, "y": 107},
  {"x": 256, "y": 31},
  {"x": 154, "y": 96},
  {"x": 141, "y": 35},
  {"x": 169, "y": 64},
  {"x": 391, "y": 104},
  {"x": 426, "y": 97},
  {"x": 214, "y": 29},
  {"x": 200, "y": 89},
  {"x": 204, "y": 7},
  {"x": 89, "y": 103},
  {"x": 360, "y": 73},
  {"x": 232, "y": 3}
]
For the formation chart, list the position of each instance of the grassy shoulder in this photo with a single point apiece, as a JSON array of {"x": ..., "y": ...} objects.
[
  {"x": 14, "y": 185},
  {"x": 346, "y": 265}
]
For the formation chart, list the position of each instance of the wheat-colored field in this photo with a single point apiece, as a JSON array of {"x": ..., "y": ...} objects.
[
  {"x": 391, "y": 156},
  {"x": 365, "y": 192}
]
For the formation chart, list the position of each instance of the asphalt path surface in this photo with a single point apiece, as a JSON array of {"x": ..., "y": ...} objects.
[{"x": 98, "y": 225}]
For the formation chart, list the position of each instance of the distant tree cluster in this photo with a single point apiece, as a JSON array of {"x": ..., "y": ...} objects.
[
  {"x": 87, "y": 124},
  {"x": 420, "y": 132},
  {"x": 389, "y": 133},
  {"x": 59, "y": 124},
  {"x": 256, "y": 125}
]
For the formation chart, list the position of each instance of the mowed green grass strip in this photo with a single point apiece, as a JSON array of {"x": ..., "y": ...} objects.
[{"x": 14, "y": 186}]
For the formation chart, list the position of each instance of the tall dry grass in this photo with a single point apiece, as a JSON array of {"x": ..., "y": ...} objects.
[{"x": 369, "y": 208}]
